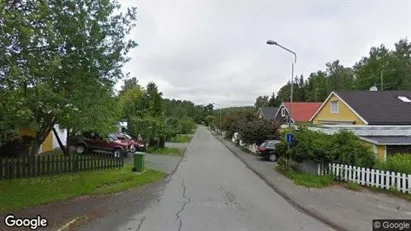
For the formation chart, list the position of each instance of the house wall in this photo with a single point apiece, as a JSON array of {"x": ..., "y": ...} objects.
[
  {"x": 280, "y": 118},
  {"x": 379, "y": 150},
  {"x": 344, "y": 114},
  {"x": 49, "y": 143}
]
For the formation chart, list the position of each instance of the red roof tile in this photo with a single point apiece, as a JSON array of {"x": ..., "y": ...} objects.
[{"x": 302, "y": 111}]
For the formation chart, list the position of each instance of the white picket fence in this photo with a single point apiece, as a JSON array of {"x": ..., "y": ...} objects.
[{"x": 368, "y": 177}]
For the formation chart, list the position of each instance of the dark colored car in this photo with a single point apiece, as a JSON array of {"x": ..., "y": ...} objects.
[
  {"x": 139, "y": 144},
  {"x": 90, "y": 141},
  {"x": 267, "y": 150}
]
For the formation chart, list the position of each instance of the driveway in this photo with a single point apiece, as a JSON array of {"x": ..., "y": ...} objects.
[{"x": 213, "y": 190}]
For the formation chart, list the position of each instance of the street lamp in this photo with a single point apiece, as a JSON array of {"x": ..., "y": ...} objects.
[
  {"x": 271, "y": 42},
  {"x": 221, "y": 132}
]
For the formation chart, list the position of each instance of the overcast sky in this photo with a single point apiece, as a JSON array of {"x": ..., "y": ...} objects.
[{"x": 216, "y": 51}]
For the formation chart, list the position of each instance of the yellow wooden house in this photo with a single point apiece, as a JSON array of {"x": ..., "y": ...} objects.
[
  {"x": 50, "y": 143},
  {"x": 382, "y": 119}
]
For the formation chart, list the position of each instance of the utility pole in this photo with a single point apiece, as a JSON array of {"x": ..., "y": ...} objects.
[{"x": 382, "y": 82}]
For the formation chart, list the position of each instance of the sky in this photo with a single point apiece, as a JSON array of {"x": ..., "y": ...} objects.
[{"x": 216, "y": 51}]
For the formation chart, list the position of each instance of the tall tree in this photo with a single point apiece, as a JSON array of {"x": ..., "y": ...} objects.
[
  {"x": 261, "y": 101},
  {"x": 49, "y": 49}
]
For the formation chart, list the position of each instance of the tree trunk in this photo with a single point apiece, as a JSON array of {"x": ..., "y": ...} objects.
[
  {"x": 35, "y": 147},
  {"x": 59, "y": 141}
]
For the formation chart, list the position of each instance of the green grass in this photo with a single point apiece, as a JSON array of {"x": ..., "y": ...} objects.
[
  {"x": 353, "y": 186},
  {"x": 24, "y": 193},
  {"x": 181, "y": 139},
  {"x": 305, "y": 179},
  {"x": 398, "y": 163},
  {"x": 392, "y": 192},
  {"x": 165, "y": 151}
]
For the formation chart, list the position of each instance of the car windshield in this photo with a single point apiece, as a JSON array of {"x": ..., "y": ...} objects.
[
  {"x": 112, "y": 137},
  {"x": 263, "y": 144}
]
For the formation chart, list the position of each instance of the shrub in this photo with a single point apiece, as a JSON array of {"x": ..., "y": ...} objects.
[
  {"x": 186, "y": 126},
  {"x": 258, "y": 130},
  {"x": 343, "y": 147},
  {"x": 397, "y": 163}
]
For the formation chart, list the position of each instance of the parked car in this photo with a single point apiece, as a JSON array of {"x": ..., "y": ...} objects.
[
  {"x": 267, "y": 150},
  {"x": 90, "y": 141},
  {"x": 139, "y": 144}
]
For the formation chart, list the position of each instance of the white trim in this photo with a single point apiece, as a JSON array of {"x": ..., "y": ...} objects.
[
  {"x": 369, "y": 140},
  {"x": 322, "y": 105},
  {"x": 279, "y": 109},
  {"x": 385, "y": 153},
  {"x": 346, "y": 104},
  {"x": 375, "y": 149},
  {"x": 288, "y": 113},
  {"x": 283, "y": 109}
]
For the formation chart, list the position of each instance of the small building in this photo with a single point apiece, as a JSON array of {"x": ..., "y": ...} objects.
[
  {"x": 382, "y": 119},
  {"x": 301, "y": 112},
  {"x": 267, "y": 113}
]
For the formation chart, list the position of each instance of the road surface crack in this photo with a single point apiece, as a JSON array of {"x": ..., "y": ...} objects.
[
  {"x": 141, "y": 223},
  {"x": 187, "y": 200}
]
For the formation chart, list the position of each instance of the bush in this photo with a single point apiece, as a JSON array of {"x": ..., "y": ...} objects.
[
  {"x": 397, "y": 163},
  {"x": 16, "y": 147},
  {"x": 258, "y": 130},
  {"x": 186, "y": 126},
  {"x": 343, "y": 148}
]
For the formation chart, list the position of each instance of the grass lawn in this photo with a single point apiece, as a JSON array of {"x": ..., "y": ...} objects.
[
  {"x": 181, "y": 138},
  {"x": 23, "y": 193},
  {"x": 165, "y": 151},
  {"x": 305, "y": 179}
]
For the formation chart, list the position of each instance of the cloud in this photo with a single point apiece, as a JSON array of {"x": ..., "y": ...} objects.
[{"x": 216, "y": 52}]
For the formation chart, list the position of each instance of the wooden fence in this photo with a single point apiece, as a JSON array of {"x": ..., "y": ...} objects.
[
  {"x": 369, "y": 177},
  {"x": 34, "y": 166}
]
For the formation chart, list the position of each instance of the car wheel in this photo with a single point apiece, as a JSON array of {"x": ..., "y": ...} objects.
[
  {"x": 81, "y": 148},
  {"x": 118, "y": 153},
  {"x": 273, "y": 157}
]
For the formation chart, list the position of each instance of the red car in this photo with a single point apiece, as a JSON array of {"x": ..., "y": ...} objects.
[
  {"x": 90, "y": 141},
  {"x": 139, "y": 144}
]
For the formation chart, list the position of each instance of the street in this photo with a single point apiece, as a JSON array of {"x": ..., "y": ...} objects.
[{"x": 213, "y": 190}]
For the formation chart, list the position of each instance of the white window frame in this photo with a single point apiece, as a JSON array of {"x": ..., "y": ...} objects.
[
  {"x": 337, "y": 108},
  {"x": 282, "y": 111}
]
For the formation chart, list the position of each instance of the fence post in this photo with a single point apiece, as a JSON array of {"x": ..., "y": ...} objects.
[
  {"x": 398, "y": 181},
  {"x": 349, "y": 173},
  {"x": 377, "y": 178},
  {"x": 409, "y": 183},
  {"x": 367, "y": 177}
]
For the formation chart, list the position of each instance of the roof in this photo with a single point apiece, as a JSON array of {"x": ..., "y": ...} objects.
[
  {"x": 388, "y": 140},
  {"x": 269, "y": 112},
  {"x": 302, "y": 111},
  {"x": 379, "y": 107}
]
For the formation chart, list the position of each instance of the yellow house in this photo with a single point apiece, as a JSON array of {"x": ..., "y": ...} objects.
[
  {"x": 382, "y": 119},
  {"x": 50, "y": 143}
]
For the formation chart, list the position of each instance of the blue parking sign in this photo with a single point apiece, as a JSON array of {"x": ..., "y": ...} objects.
[{"x": 289, "y": 138}]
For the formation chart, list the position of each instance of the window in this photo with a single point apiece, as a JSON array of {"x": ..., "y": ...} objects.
[
  {"x": 282, "y": 112},
  {"x": 404, "y": 99},
  {"x": 334, "y": 107}
]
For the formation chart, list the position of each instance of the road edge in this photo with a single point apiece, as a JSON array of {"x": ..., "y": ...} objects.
[
  {"x": 290, "y": 199},
  {"x": 168, "y": 176}
]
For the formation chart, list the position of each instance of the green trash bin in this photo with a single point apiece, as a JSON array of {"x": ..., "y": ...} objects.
[{"x": 138, "y": 158}]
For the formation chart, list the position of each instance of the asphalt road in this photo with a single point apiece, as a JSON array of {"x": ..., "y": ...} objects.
[{"x": 212, "y": 190}]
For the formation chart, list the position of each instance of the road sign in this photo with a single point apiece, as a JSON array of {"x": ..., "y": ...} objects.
[{"x": 289, "y": 138}]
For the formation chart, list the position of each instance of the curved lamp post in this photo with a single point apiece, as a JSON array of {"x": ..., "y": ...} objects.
[{"x": 271, "y": 42}]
